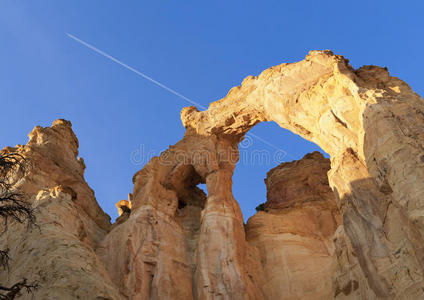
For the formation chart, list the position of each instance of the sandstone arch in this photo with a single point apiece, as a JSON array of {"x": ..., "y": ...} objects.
[{"x": 370, "y": 123}]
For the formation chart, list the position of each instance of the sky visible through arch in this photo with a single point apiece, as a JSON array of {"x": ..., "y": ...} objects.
[{"x": 201, "y": 49}]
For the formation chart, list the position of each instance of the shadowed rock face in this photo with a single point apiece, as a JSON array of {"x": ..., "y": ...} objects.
[{"x": 176, "y": 242}]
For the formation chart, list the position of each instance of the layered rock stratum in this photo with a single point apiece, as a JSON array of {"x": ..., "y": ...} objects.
[{"x": 351, "y": 227}]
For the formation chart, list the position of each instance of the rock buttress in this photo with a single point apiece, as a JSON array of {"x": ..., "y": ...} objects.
[
  {"x": 293, "y": 236},
  {"x": 59, "y": 253}
]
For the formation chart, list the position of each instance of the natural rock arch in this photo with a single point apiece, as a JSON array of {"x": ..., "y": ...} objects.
[{"x": 370, "y": 124}]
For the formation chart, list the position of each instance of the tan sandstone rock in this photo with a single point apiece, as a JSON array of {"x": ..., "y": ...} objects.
[
  {"x": 178, "y": 243},
  {"x": 294, "y": 235},
  {"x": 58, "y": 253},
  {"x": 371, "y": 124}
]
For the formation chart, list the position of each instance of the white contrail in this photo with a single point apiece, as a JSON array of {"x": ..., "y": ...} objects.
[
  {"x": 159, "y": 84},
  {"x": 134, "y": 70}
]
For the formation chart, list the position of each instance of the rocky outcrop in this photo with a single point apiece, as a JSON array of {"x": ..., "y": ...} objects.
[
  {"x": 362, "y": 229},
  {"x": 179, "y": 243},
  {"x": 371, "y": 124},
  {"x": 293, "y": 236},
  {"x": 53, "y": 156},
  {"x": 59, "y": 252},
  {"x": 297, "y": 182}
]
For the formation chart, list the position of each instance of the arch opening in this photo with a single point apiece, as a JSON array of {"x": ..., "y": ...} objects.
[
  {"x": 258, "y": 156},
  {"x": 292, "y": 226}
]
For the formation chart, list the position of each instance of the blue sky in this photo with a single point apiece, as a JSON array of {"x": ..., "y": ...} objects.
[{"x": 199, "y": 48}]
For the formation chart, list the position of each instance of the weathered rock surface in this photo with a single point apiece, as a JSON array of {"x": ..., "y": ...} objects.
[
  {"x": 294, "y": 235},
  {"x": 59, "y": 253},
  {"x": 178, "y": 243},
  {"x": 372, "y": 125},
  {"x": 297, "y": 182}
]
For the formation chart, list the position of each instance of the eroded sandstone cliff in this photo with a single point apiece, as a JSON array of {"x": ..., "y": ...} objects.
[
  {"x": 349, "y": 229},
  {"x": 293, "y": 236},
  {"x": 60, "y": 252}
]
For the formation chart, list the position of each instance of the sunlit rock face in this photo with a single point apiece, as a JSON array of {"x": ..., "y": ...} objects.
[
  {"x": 349, "y": 229},
  {"x": 299, "y": 181},
  {"x": 293, "y": 236},
  {"x": 371, "y": 124},
  {"x": 179, "y": 243},
  {"x": 59, "y": 253}
]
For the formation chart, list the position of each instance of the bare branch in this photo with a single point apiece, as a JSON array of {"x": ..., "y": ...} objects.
[
  {"x": 16, "y": 290},
  {"x": 13, "y": 205},
  {"x": 4, "y": 259}
]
